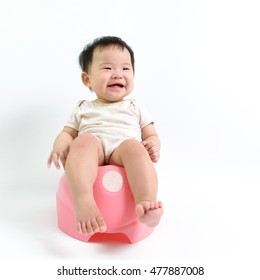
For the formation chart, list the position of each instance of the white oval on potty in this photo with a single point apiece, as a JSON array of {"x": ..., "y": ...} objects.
[{"x": 112, "y": 181}]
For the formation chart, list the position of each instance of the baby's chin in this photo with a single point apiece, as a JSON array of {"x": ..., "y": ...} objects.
[{"x": 111, "y": 98}]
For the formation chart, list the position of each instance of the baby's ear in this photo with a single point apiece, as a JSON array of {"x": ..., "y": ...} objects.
[{"x": 85, "y": 79}]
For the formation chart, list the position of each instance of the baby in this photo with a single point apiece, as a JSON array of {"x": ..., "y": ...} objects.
[{"x": 109, "y": 130}]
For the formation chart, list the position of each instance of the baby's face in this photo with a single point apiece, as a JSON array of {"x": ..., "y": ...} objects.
[{"x": 111, "y": 74}]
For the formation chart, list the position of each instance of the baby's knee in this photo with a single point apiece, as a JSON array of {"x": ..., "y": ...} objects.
[{"x": 130, "y": 149}]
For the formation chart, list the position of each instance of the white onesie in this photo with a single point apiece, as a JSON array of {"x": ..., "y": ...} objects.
[{"x": 111, "y": 123}]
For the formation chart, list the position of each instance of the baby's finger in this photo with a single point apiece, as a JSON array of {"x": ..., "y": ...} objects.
[
  {"x": 56, "y": 162},
  {"x": 148, "y": 144},
  {"x": 155, "y": 157},
  {"x": 49, "y": 161},
  {"x": 63, "y": 160},
  {"x": 144, "y": 143},
  {"x": 152, "y": 149}
]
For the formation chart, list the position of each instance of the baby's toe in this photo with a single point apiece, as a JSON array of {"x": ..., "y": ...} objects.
[
  {"x": 94, "y": 225},
  {"x": 101, "y": 224},
  {"x": 89, "y": 229}
]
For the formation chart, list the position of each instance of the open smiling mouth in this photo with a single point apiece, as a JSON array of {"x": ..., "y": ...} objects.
[{"x": 116, "y": 85}]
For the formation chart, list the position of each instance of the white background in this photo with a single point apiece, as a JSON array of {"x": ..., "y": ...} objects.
[{"x": 197, "y": 71}]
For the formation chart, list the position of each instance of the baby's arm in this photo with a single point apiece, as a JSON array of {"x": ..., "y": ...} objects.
[
  {"x": 151, "y": 142},
  {"x": 61, "y": 146}
]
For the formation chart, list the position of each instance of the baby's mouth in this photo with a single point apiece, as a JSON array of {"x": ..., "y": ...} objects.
[{"x": 116, "y": 85}]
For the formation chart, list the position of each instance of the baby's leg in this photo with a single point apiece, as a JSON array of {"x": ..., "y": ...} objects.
[
  {"x": 81, "y": 169},
  {"x": 142, "y": 178}
]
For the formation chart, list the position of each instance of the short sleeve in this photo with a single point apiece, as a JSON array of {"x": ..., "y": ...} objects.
[
  {"x": 74, "y": 119},
  {"x": 145, "y": 117}
]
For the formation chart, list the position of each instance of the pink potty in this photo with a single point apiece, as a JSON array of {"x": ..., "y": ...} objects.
[{"x": 116, "y": 203}]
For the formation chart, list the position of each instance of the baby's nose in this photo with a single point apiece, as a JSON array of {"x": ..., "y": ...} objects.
[{"x": 117, "y": 75}]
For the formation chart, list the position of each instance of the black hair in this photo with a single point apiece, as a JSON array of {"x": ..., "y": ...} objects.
[{"x": 86, "y": 56}]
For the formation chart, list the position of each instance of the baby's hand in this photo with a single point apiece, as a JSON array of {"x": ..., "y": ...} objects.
[
  {"x": 61, "y": 147},
  {"x": 56, "y": 157},
  {"x": 153, "y": 150}
]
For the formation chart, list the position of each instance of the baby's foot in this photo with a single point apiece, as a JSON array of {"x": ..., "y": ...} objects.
[
  {"x": 88, "y": 217},
  {"x": 149, "y": 213}
]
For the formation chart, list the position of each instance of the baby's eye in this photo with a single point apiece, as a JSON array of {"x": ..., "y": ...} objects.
[
  {"x": 107, "y": 68},
  {"x": 126, "y": 68}
]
